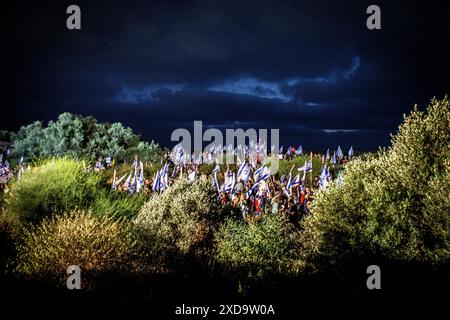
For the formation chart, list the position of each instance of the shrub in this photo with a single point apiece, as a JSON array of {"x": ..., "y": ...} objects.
[
  {"x": 57, "y": 185},
  {"x": 9, "y": 233},
  {"x": 393, "y": 205},
  {"x": 99, "y": 245},
  {"x": 257, "y": 249},
  {"x": 182, "y": 219},
  {"x": 118, "y": 204}
]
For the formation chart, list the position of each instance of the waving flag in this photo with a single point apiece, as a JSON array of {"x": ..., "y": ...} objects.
[
  {"x": 327, "y": 156},
  {"x": 229, "y": 181},
  {"x": 339, "y": 153},
  {"x": 323, "y": 178},
  {"x": 140, "y": 180},
  {"x": 156, "y": 182},
  {"x": 350, "y": 152},
  {"x": 244, "y": 172},
  {"x": 127, "y": 182},
  {"x": 294, "y": 182},
  {"x": 116, "y": 184},
  {"x": 258, "y": 173},
  {"x": 307, "y": 167},
  {"x": 299, "y": 150},
  {"x": 164, "y": 178},
  {"x": 192, "y": 176}
]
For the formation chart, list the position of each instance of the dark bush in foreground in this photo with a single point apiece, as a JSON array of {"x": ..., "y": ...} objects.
[
  {"x": 182, "y": 220},
  {"x": 394, "y": 206},
  {"x": 99, "y": 245},
  {"x": 257, "y": 249}
]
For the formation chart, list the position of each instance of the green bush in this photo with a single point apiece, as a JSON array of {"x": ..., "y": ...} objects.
[
  {"x": 393, "y": 205},
  {"x": 99, "y": 245},
  {"x": 118, "y": 204},
  {"x": 77, "y": 136},
  {"x": 62, "y": 184},
  {"x": 257, "y": 249},
  {"x": 55, "y": 186},
  {"x": 183, "y": 219}
]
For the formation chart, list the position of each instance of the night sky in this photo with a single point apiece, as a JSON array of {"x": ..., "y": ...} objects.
[{"x": 310, "y": 68}]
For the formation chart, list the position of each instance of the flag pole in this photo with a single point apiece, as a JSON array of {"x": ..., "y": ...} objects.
[{"x": 312, "y": 169}]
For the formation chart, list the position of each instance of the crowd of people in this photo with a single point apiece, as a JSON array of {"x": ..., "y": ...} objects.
[{"x": 250, "y": 189}]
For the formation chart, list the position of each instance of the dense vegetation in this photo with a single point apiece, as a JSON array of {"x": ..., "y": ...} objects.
[
  {"x": 390, "y": 206},
  {"x": 80, "y": 137},
  {"x": 60, "y": 185}
]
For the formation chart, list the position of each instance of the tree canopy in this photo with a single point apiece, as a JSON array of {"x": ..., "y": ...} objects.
[{"x": 77, "y": 136}]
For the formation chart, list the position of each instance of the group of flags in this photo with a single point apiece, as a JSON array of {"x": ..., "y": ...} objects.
[
  {"x": 135, "y": 180},
  {"x": 247, "y": 169},
  {"x": 253, "y": 153},
  {"x": 244, "y": 173}
]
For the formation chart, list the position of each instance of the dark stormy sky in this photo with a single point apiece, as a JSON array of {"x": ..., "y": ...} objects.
[{"x": 310, "y": 68}]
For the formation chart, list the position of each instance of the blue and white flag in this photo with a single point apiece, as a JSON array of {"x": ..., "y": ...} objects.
[
  {"x": 229, "y": 181},
  {"x": 156, "y": 182},
  {"x": 351, "y": 152},
  {"x": 140, "y": 180},
  {"x": 307, "y": 167},
  {"x": 258, "y": 173},
  {"x": 334, "y": 158},
  {"x": 164, "y": 178},
  {"x": 327, "y": 156},
  {"x": 244, "y": 172},
  {"x": 295, "y": 182},
  {"x": 323, "y": 178},
  {"x": 299, "y": 150},
  {"x": 339, "y": 153},
  {"x": 127, "y": 182},
  {"x": 116, "y": 184}
]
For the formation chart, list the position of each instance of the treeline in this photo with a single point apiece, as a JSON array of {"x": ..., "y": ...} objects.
[{"x": 79, "y": 137}]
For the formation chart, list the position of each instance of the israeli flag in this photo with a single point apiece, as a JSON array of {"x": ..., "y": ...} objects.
[
  {"x": 327, "y": 156},
  {"x": 258, "y": 173},
  {"x": 351, "y": 152},
  {"x": 307, "y": 167},
  {"x": 295, "y": 182},
  {"x": 229, "y": 182},
  {"x": 140, "y": 180},
  {"x": 299, "y": 150},
  {"x": 156, "y": 182},
  {"x": 127, "y": 182},
  {"x": 244, "y": 172},
  {"x": 116, "y": 184},
  {"x": 339, "y": 153},
  {"x": 192, "y": 176}
]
